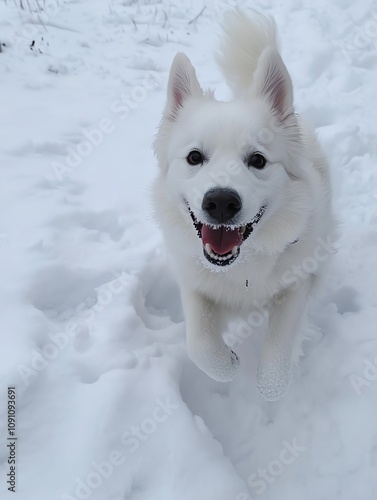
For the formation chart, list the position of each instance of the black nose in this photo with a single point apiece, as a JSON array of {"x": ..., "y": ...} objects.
[{"x": 221, "y": 204}]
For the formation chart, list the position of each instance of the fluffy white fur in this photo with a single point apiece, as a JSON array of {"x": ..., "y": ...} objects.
[{"x": 294, "y": 184}]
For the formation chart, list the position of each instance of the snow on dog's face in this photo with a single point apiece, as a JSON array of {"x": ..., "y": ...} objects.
[{"x": 229, "y": 166}]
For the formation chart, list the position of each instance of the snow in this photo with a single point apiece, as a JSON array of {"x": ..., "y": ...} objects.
[{"x": 109, "y": 407}]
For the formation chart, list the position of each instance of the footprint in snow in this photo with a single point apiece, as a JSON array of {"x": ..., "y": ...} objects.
[
  {"x": 345, "y": 299},
  {"x": 161, "y": 292},
  {"x": 61, "y": 293}
]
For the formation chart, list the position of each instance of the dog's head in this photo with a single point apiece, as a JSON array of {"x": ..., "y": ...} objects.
[{"x": 231, "y": 169}]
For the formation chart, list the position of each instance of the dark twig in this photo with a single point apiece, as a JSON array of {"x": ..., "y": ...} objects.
[{"x": 198, "y": 15}]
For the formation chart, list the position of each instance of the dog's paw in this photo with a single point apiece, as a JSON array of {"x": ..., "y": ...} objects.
[
  {"x": 273, "y": 381},
  {"x": 235, "y": 363},
  {"x": 226, "y": 370},
  {"x": 222, "y": 368}
]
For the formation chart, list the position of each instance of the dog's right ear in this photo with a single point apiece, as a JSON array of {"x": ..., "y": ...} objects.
[{"x": 183, "y": 84}]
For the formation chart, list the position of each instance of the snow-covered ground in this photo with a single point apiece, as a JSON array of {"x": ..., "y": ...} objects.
[{"x": 108, "y": 405}]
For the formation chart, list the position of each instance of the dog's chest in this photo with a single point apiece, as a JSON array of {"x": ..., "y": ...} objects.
[{"x": 241, "y": 286}]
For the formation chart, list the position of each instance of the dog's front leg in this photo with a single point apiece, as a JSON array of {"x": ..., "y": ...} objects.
[
  {"x": 205, "y": 345},
  {"x": 274, "y": 368}
]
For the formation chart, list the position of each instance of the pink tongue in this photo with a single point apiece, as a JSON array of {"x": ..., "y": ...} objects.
[{"x": 222, "y": 240}]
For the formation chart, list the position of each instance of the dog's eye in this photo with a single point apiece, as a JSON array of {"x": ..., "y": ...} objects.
[
  {"x": 195, "y": 158},
  {"x": 256, "y": 160}
]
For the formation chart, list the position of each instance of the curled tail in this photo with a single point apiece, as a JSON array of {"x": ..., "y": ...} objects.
[{"x": 243, "y": 41}]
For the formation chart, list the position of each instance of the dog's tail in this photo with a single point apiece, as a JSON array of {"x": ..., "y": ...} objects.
[{"x": 244, "y": 39}]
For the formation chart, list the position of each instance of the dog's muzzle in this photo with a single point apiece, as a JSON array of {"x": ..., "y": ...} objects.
[{"x": 222, "y": 240}]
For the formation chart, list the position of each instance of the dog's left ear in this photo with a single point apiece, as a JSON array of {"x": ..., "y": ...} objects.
[
  {"x": 271, "y": 81},
  {"x": 183, "y": 84}
]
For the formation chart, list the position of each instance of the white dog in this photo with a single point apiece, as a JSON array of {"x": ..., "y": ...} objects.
[{"x": 243, "y": 198}]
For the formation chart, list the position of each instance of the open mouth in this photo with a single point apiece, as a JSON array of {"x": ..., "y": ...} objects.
[{"x": 222, "y": 243}]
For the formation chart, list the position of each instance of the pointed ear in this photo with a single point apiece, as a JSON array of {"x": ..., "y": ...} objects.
[
  {"x": 182, "y": 85},
  {"x": 272, "y": 82}
]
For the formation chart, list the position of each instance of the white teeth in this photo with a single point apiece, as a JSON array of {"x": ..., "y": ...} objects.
[
  {"x": 220, "y": 258},
  {"x": 242, "y": 229}
]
